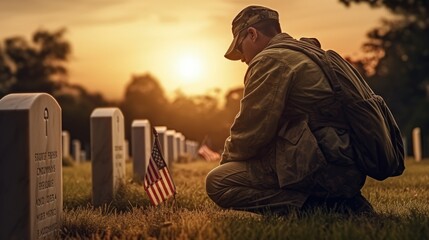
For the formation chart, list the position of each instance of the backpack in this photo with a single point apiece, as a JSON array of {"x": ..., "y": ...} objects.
[{"x": 375, "y": 137}]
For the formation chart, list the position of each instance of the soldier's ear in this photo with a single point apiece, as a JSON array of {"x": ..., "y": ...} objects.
[{"x": 253, "y": 33}]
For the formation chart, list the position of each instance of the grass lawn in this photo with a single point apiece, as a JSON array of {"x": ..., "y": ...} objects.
[{"x": 402, "y": 204}]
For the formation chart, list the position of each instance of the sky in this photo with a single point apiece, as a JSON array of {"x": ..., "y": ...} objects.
[{"x": 180, "y": 43}]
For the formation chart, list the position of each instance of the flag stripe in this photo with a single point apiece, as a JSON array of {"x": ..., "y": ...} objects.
[
  {"x": 149, "y": 174},
  {"x": 153, "y": 173},
  {"x": 165, "y": 194},
  {"x": 166, "y": 175},
  {"x": 161, "y": 188},
  {"x": 151, "y": 196},
  {"x": 158, "y": 195},
  {"x": 155, "y": 196},
  {"x": 166, "y": 189}
]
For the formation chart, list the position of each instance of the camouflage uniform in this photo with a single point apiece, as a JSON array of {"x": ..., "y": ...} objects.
[{"x": 275, "y": 155}]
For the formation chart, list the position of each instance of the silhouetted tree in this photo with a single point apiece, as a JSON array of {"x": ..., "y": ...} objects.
[
  {"x": 232, "y": 105},
  {"x": 144, "y": 98},
  {"x": 77, "y": 105},
  {"x": 199, "y": 117},
  {"x": 38, "y": 66},
  {"x": 5, "y": 74},
  {"x": 226, "y": 116},
  {"x": 186, "y": 114}
]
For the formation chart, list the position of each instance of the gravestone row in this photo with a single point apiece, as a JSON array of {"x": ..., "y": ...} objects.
[
  {"x": 76, "y": 152},
  {"x": 32, "y": 145}
]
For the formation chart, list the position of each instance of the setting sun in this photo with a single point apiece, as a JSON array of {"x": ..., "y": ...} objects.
[{"x": 189, "y": 68}]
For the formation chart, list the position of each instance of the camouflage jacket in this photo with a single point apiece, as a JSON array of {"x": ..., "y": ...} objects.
[{"x": 282, "y": 90}]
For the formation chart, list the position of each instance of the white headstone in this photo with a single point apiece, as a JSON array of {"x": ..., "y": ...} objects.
[
  {"x": 177, "y": 137},
  {"x": 182, "y": 144},
  {"x": 417, "y": 144},
  {"x": 141, "y": 147},
  {"x": 161, "y": 130},
  {"x": 191, "y": 148},
  {"x": 66, "y": 144},
  {"x": 188, "y": 147},
  {"x": 76, "y": 150},
  {"x": 195, "y": 149},
  {"x": 83, "y": 156},
  {"x": 31, "y": 200},
  {"x": 107, "y": 154},
  {"x": 171, "y": 147}
]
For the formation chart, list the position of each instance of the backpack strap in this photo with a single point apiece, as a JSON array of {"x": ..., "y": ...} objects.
[
  {"x": 328, "y": 69},
  {"x": 323, "y": 60}
]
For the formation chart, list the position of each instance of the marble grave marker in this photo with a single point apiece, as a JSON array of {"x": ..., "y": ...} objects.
[
  {"x": 172, "y": 148},
  {"x": 76, "y": 150},
  {"x": 107, "y": 154},
  {"x": 141, "y": 133},
  {"x": 31, "y": 197},
  {"x": 162, "y": 136}
]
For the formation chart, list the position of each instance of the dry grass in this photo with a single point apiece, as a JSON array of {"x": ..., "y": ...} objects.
[{"x": 402, "y": 204}]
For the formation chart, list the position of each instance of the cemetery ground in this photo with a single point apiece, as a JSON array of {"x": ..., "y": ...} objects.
[{"x": 402, "y": 205}]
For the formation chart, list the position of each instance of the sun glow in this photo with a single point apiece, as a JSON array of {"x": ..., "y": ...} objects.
[{"x": 189, "y": 68}]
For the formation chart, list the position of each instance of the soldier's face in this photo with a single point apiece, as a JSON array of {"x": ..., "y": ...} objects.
[
  {"x": 246, "y": 47},
  {"x": 251, "y": 45},
  {"x": 244, "y": 51}
]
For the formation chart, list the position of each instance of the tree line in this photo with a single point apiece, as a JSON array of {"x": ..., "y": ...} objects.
[
  {"x": 395, "y": 65},
  {"x": 39, "y": 65}
]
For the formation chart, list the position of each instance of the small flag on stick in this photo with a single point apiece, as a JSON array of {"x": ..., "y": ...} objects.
[
  {"x": 205, "y": 151},
  {"x": 208, "y": 154},
  {"x": 158, "y": 183}
]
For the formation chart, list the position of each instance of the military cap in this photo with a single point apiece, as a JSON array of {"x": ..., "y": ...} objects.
[{"x": 246, "y": 18}]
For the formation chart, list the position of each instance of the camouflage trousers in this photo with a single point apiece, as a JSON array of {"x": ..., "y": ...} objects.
[{"x": 235, "y": 185}]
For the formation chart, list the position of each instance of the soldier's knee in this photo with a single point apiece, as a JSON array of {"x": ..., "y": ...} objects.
[
  {"x": 214, "y": 188},
  {"x": 212, "y": 182}
]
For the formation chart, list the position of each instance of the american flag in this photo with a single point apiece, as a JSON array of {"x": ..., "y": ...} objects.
[
  {"x": 208, "y": 154},
  {"x": 158, "y": 183}
]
